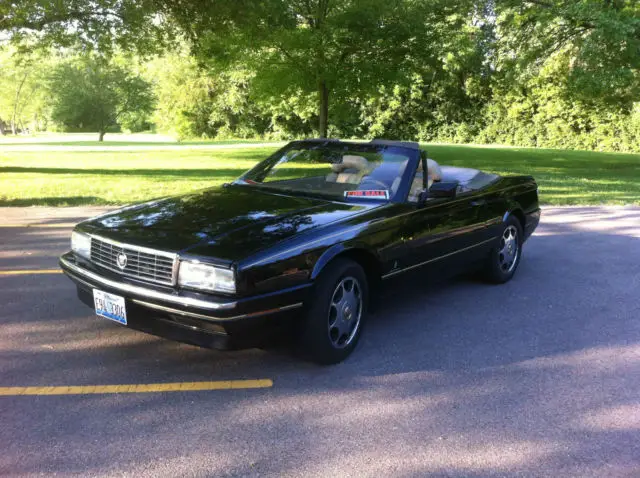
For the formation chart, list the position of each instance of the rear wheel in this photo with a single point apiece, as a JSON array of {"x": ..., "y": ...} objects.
[
  {"x": 335, "y": 316},
  {"x": 505, "y": 256}
]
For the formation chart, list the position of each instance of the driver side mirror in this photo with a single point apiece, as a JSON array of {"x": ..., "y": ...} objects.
[{"x": 444, "y": 190}]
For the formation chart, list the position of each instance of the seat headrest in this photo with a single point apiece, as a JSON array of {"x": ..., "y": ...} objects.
[
  {"x": 355, "y": 162},
  {"x": 337, "y": 167},
  {"x": 350, "y": 161},
  {"x": 433, "y": 170}
]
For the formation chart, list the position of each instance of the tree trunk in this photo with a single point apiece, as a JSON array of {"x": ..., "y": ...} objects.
[
  {"x": 17, "y": 102},
  {"x": 101, "y": 137},
  {"x": 323, "y": 112}
]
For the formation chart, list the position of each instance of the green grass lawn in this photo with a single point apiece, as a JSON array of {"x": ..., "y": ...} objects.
[{"x": 104, "y": 177}]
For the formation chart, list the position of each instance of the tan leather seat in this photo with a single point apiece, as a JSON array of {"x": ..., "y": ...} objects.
[
  {"x": 434, "y": 174},
  {"x": 349, "y": 171}
]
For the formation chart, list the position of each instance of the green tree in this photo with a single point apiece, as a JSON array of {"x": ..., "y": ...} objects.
[
  {"x": 598, "y": 41},
  {"x": 555, "y": 73},
  {"x": 97, "y": 24},
  {"x": 184, "y": 96},
  {"x": 333, "y": 49},
  {"x": 195, "y": 102},
  {"x": 23, "y": 95},
  {"x": 89, "y": 92},
  {"x": 444, "y": 98}
]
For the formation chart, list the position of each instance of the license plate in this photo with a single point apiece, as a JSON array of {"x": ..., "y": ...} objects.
[{"x": 110, "y": 306}]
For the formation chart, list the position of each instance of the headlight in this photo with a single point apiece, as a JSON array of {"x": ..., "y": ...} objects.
[
  {"x": 81, "y": 244},
  {"x": 204, "y": 277}
]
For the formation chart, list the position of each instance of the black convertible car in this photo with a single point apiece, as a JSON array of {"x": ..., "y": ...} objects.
[{"x": 303, "y": 240}]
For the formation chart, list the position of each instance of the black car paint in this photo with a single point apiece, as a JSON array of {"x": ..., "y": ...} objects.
[
  {"x": 222, "y": 224},
  {"x": 278, "y": 244}
]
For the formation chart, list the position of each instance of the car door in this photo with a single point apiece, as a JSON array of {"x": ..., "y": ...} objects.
[
  {"x": 444, "y": 230},
  {"x": 482, "y": 219},
  {"x": 441, "y": 230}
]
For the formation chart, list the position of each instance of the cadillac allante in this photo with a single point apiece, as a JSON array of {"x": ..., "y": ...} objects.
[{"x": 301, "y": 242}]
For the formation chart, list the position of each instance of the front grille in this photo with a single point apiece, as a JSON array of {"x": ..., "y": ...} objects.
[{"x": 141, "y": 263}]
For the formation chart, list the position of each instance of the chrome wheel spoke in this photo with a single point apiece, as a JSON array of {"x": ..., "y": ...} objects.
[
  {"x": 345, "y": 311},
  {"x": 333, "y": 315},
  {"x": 509, "y": 249},
  {"x": 338, "y": 294}
]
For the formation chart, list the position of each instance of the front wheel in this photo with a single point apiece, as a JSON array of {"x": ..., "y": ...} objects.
[
  {"x": 336, "y": 314},
  {"x": 505, "y": 256}
]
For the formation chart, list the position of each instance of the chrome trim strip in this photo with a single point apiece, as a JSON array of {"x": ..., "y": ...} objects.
[
  {"x": 297, "y": 305},
  {"x": 215, "y": 319},
  {"x": 390, "y": 274},
  {"x": 179, "y": 312},
  {"x": 152, "y": 294}
]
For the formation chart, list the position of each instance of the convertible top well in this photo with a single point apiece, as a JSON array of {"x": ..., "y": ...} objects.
[{"x": 468, "y": 179}]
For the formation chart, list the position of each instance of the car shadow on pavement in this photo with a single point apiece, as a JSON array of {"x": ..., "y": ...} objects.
[{"x": 453, "y": 377}]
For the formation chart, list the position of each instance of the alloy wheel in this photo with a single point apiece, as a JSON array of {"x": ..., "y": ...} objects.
[
  {"x": 509, "y": 249},
  {"x": 345, "y": 312}
]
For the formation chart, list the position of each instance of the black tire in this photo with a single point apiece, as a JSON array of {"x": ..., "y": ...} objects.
[
  {"x": 317, "y": 339},
  {"x": 499, "y": 268}
]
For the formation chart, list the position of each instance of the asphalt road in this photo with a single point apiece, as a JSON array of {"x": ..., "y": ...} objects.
[{"x": 538, "y": 377}]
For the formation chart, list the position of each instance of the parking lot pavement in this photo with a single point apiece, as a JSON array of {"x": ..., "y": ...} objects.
[{"x": 538, "y": 377}]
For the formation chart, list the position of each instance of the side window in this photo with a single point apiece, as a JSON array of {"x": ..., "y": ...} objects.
[{"x": 416, "y": 185}]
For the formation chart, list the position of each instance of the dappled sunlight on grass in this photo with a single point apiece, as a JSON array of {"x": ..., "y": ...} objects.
[
  {"x": 65, "y": 179},
  {"x": 564, "y": 177},
  {"x": 119, "y": 177}
]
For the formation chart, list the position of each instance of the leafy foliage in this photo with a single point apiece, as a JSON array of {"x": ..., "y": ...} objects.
[
  {"x": 331, "y": 49},
  {"x": 598, "y": 41},
  {"x": 554, "y": 73},
  {"x": 96, "y": 24},
  {"x": 23, "y": 95},
  {"x": 193, "y": 102},
  {"x": 90, "y": 93}
]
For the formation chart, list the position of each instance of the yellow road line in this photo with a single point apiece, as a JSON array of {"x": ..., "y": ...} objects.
[
  {"x": 140, "y": 388},
  {"x": 59, "y": 224},
  {"x": 30, "y": 271}
]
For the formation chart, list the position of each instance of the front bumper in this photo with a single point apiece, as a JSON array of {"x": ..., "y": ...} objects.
[{"x": 196, "y": 318}]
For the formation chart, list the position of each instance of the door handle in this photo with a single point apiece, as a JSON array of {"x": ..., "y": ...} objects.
[{"x": 479, "y": 202}]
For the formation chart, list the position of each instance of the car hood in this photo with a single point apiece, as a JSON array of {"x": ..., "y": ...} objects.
[{"x": 232, "y": 221}]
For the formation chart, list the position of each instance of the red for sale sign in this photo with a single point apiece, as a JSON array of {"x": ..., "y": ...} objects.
[{"x": 368, "y": 193}]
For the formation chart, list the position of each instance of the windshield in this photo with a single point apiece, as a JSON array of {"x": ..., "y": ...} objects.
[{"x": 341, "y": 170}]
